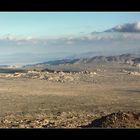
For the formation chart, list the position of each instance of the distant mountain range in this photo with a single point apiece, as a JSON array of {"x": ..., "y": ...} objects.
[{"x": 123, "y": 58}]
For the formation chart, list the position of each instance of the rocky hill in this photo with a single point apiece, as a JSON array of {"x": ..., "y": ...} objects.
[{"x": 117, "y": 120}]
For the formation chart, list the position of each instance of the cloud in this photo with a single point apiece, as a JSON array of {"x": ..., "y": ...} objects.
[
  {"x": 108, "y": 36},
  {"x": 88, "y": 39},
  {"x": 129, "y": 27},
  {"x": 16, "y": 37}
]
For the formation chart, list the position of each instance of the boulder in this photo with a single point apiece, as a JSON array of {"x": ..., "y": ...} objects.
[{"x": 134, "y": 73}]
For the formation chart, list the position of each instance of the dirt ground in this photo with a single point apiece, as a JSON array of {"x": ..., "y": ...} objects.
[{"x": 36, "y": 103}]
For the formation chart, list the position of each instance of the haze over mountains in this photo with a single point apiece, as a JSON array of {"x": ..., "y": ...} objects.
[{"x": 121, "y": 39}]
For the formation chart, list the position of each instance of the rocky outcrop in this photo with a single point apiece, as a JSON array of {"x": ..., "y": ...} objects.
[
  {"x": 135, "y": 73},
  {"x": 117, "y": 120},
  {"x": 55, "y": 76}
]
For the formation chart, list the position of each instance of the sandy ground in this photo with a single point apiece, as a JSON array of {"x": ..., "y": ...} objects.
[{"x": 33, "y": 103}]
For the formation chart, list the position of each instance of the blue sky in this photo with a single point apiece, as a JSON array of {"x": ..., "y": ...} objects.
[
  {"x": 32, "y": 37},
  {"x": 40, "y": 24}
]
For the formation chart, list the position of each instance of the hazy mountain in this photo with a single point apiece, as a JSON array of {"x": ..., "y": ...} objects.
[
  {"x": 83, "y": 55},
  {"x": 123, "y": 58}
]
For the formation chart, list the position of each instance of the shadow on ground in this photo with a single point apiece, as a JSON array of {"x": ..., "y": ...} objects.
[{"x": 97, "y": 123}]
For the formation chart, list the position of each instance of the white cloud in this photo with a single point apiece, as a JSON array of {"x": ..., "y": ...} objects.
[
  {"x": 81, "y": 40},
  {"x": 128, "y": 27},
  {"x": 16, "y": 37}
]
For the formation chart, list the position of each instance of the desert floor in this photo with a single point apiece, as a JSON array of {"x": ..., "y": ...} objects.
[{"x": 35, "y": 103}]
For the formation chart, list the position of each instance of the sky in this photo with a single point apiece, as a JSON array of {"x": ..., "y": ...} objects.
[
  {"x": 61, "y": 23},
  {"x": 30, "y": 37}
]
